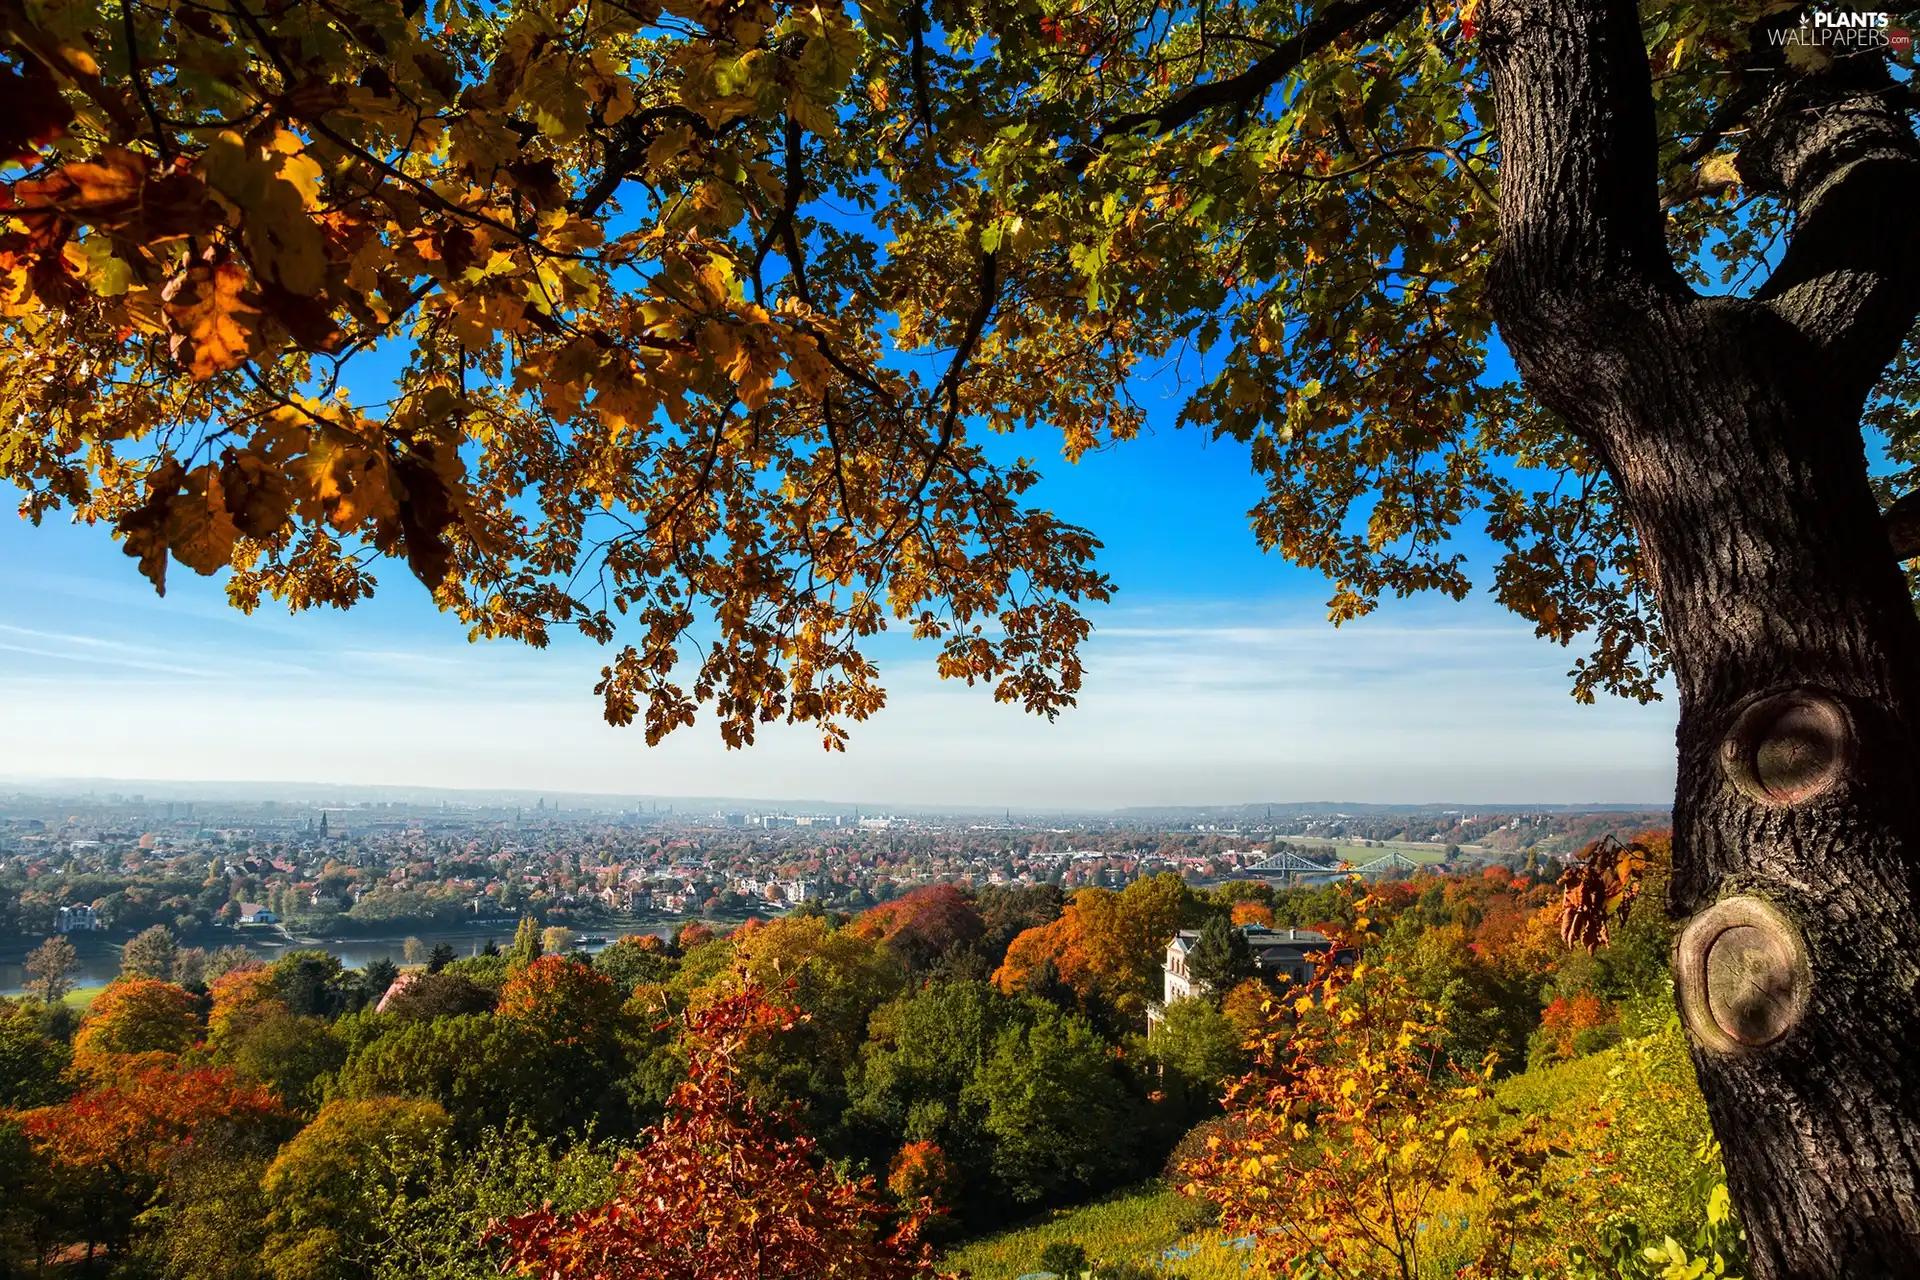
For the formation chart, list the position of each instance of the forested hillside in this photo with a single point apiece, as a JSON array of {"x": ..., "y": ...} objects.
[{"x": 931, "y": 1071}]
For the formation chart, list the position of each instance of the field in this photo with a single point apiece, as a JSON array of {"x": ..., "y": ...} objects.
[
  {"x": 82, "y": 997},
  {"x": 1150, "y": 1225}
]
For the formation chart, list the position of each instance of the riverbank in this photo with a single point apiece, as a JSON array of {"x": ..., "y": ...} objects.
[{"x": 100, "y": 953}]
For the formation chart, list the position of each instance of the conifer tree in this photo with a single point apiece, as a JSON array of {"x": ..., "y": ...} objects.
[{"x": 1221, "y": 958}]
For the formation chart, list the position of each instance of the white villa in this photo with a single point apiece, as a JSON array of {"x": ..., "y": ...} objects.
[
  {"x": 1276, "y": 953},
  {"x": 77, "y": 919}
]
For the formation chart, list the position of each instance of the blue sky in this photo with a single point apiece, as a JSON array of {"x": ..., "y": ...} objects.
[{"x": 1212, "y": 678}]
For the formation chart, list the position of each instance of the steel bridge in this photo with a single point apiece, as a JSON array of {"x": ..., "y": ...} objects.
[{"x": 1290, "y": 868}]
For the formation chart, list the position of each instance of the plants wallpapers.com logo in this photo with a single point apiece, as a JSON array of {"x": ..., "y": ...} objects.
[{"x": 1843, "y": 31}]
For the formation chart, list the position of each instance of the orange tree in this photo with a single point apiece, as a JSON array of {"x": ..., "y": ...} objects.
[
  {"x": 1107, "y": 946},
  {"x": 106, "y": 1150},
  {"x": 924, "y": 924},
  {"x": 724, "y": 1189},
  {"x": 136, "y": 1017},
  {"x": 645, "y": 266}
]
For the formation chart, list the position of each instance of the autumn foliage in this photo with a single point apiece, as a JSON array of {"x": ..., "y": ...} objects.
[
  {"x": 133, "y": 1123},
  {"x": 1105, "y": 945},
  {"x": 242, "y": 997},
  {"x": 725, "y": 1189},
  {"x": 1353, "y": 1128},
  {"x": 568, "y": 1002},
  {"x": 136, "y": 1016},
  {"x": 1566, "y": 1017},
  {"x": 921, "y": 1172},
  {"x": 1253, "y": 913},
  {"x": 923, "y": 923}
]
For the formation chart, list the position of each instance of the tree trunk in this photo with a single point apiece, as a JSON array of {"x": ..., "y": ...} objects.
[{"x": 1731, "y": 427}]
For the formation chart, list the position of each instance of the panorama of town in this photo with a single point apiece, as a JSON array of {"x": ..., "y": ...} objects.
[{"x": 100, "y": 866}]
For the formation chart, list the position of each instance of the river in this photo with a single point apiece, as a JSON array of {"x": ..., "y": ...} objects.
[{"x": 100, "y": 960}]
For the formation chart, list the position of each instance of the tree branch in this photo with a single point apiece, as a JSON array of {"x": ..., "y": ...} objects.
[
  {"x": 1582, "y": 237},
  {"x": 1363, "y": 19},
  {"x": 1836, "y": 146},
  {"x": 635, "y": 135},
  {"x": 1902, "y": 520}
]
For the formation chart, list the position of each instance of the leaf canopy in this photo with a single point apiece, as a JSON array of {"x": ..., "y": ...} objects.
[{"x": 706, "y": 311}]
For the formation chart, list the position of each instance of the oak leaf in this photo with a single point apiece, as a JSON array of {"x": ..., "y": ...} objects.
[
  {"x": 257, "y": 495},
  {"x": 143, "y": 531},
  {"x": 200, "y": 532},
  {"x": 212, "y": 319},
  {"x": 273, "y": 189}
]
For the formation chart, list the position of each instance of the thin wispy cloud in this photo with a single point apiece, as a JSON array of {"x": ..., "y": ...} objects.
[{"x": 1184, "y": 702}]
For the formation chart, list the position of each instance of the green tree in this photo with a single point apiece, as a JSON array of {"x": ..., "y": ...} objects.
[
  {"x": 212, "y": 1223},
  {"x": 1220, "y": 958},
  {"x": 226, "y": 959},
  {"x": 190, "y": 967},
  {"x": 50, "y": 968},
  {"x": 1064, "y": 1258},
  {"x": 1045, "y": 983},
  {"x": 315, "y": 984},
  {"x": 441, "y": 995},
  {"x": 527, "y": 946},
  {"x": 441, "y": 1232},
  {"x": 326, "y": 1187},
  {"x": 1197, "y": 1049},
  {"x": 440, "y": 957},
  {"x": 1060, "y": 1115},
  {"x": 31, "y": 1060},
  {"x": 151, "y": 953},
  {"x": 378, "y": 976},
  {"x": 922, "y": 1053},
  {"x": 630, "y": 961},
  {"x": 292, "y": 1055},
  {"x": 1480, "y": 1009},
  {"x": 489, "y": 1071}
]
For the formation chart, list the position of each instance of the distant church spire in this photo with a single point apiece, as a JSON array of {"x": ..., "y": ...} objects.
[{"x": 323, "y": 824}]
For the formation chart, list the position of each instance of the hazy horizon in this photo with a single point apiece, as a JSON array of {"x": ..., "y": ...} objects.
[{"x": 317, "y": 792}]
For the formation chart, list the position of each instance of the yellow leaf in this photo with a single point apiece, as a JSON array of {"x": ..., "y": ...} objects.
[
  {"x": 348, "y": 479},
  {"x": 272, "y": 191}
]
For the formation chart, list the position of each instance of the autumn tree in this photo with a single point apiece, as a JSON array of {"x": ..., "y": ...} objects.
[
  {"x": 924, "y": 924},
  {"x": 136, "y": 1021},
  {"x": 724, "y": 1188},
  {"x": 242, "y": 997},
  {"x": 1353, "y": 1135},
  {"x": 565, "y": 1001},
  {"x": 50, "y": 969},
  {"x": 151, "y": 953},
  {"x": 647, "y": 272},
  {"x": 109, "y": 1147},
  {"x": 1107, "y": 946}
]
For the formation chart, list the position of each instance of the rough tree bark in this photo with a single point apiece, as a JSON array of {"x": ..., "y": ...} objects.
[{"x": 1732, "y": 429}]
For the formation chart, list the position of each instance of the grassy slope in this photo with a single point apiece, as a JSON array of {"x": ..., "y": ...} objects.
[
  {"x": 1155, "y": 1226},
  {"x": 1137, "y": 1225}
]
